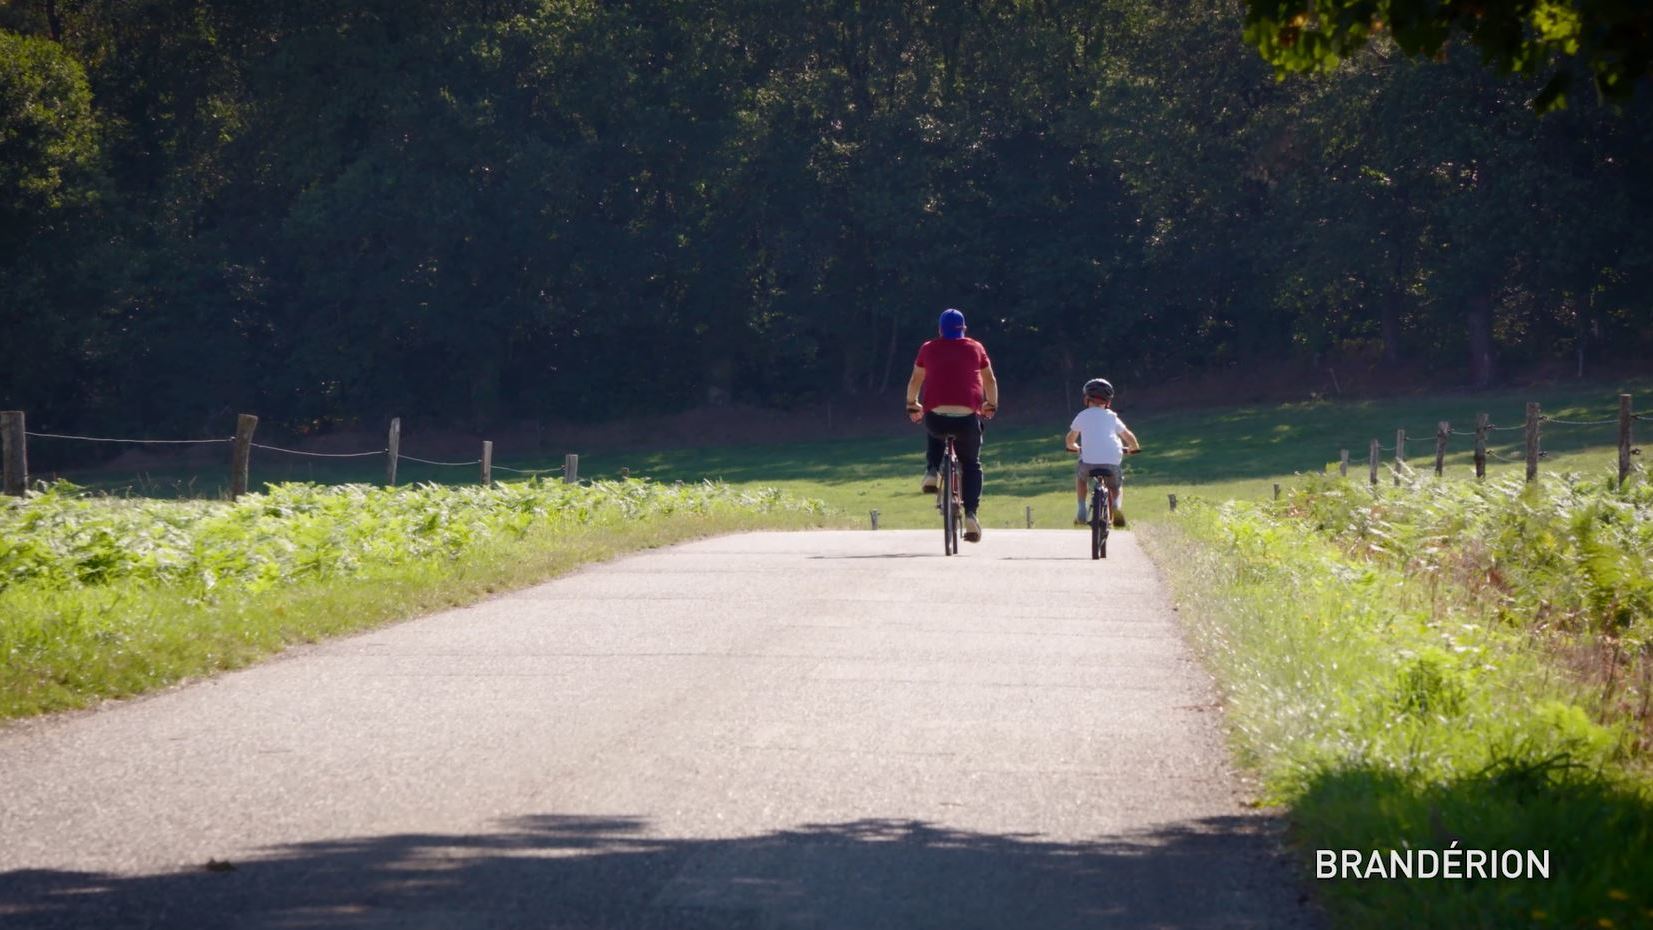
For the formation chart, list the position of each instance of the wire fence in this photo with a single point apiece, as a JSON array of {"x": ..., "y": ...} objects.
[
  {"x": 1531, "y": 452},
  {"x": 322, "y": 455},
  {"x": 532, "y": 471},
  {"x": 409, "y": 458},
  {"x": 144, "y": 442},
  {"x": 15, "y": 437},
  {"x": 1578, "y": 422}
]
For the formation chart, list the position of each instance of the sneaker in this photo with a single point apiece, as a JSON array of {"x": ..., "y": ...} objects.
[
  {"x": 932, "y": 481},
  {"x": 1118, "y": 519},
  {"x": 972, "y": 529}
]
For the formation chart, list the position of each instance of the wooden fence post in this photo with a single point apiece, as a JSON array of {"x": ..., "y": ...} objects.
[
  {"x": 1277, "y": 492},
  {"x": 1443, "y": 429},
  {"x": 241, "y": 455},
  {"x": 1532, "y": 441},
  {"x": 875, "y": 519},
  {"x": 1400, "y": 453},
  {"x": 1626, "y": 417},
  {"x": 1173, "y": 499},
  {"x": 1372, "y": 460},
  {"x": 14, "y": 437},
  {"x": 487, "y": 463},
  {"x": 393, "y": 451},
  {"x": 1343, "y": 462},
  {"x": 1481, "y": 422},
  {"x": 571, "y": 469},
  {"x": 1030, "y": 516}
]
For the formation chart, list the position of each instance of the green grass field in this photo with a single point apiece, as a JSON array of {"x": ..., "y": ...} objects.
[{"x": 1217, "y": 453}]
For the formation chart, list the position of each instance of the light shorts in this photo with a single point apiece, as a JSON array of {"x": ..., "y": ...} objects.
[{"x": 1110, "y": 474}]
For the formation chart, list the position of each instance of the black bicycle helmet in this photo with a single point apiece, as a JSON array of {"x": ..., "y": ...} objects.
[{"x": 1099, "y": 387}]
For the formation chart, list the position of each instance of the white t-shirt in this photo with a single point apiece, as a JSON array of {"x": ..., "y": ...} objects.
[{"x": 1099, "y": 442}]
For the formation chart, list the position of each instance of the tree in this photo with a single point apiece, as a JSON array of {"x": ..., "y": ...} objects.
[
  {"x": 1611, "y": 40},
  {"x": 50, "y": 187}
]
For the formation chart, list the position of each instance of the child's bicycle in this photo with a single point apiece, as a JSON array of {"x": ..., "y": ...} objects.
[
  {"x": 1101, "y": 515},
  {"x": 1101, "y": 520}
]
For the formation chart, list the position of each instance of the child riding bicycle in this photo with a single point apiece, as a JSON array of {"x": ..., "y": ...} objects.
[{"x": 1102, "y": 440}]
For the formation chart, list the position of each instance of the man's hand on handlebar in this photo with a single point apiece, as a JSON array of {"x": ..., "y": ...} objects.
[
  {"x": 989, "y": 409},
  {"x": 914, "y": 411}
]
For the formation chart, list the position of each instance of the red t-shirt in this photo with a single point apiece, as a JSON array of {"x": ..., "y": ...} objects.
[{"x": 952, "y": 373}]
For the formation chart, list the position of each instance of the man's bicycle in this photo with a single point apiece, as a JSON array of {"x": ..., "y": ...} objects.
[{"x": 949, "y": 499}]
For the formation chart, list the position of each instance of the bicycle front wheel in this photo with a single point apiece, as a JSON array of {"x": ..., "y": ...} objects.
[{"x": 1099, "y": 523}]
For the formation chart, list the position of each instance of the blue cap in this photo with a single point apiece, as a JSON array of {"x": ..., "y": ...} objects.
[{"x": 952, "y": 324}]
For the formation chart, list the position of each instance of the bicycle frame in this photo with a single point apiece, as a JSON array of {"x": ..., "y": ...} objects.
[{"x": 949, "y": 499}]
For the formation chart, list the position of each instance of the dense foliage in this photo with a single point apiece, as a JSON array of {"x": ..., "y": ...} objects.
[
  {"x": 1349, "y": 651},
  {"x": 62, "y": 539},
  {"x": 1457, "y": 665},
  {"x": 490, "y": 210},
  {"x": 1569, "y": 554},
  {"x": 1612, "y": 42}
]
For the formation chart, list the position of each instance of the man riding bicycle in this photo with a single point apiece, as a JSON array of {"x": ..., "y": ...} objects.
[{"x": 960, "y": 394}]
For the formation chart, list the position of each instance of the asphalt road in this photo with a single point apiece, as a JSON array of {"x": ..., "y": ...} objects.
[{"x": 801, "y": 730}]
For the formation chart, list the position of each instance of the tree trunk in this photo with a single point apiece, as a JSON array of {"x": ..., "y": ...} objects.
[
  {"x": 1068, "y": 369},
  {"x": 1581, "y": 330},
  {"x": 484, "y": 394},
  {"x": 1394, "y": 301},
  {"x": 54, "y": 21},
  {"x": 1478, "y": 321},
  {"x": 889, "y": 359},
  {"x": 1391, "y": 325}
]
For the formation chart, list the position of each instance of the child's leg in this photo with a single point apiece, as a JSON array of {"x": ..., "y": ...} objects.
[{"x": 1115, "y": 484}]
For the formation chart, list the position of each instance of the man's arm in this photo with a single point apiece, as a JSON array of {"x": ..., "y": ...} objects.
[
  {"x": 989, "y": 389},
  {"x": 1072, "y": 442},
  {"x": 1131, "y": 445},
  {"x": 914, "y": 412}
]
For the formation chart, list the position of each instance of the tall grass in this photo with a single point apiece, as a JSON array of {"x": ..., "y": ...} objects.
[
  {"x": 104, "y": 597},
  {"x": 1568, "y": 562},
  {"x": 1400, "y": 670}
]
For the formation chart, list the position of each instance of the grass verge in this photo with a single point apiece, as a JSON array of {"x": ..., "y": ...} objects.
[
  {"x": 1386, "y": 713},
  {"x": 100, "y": 617}
]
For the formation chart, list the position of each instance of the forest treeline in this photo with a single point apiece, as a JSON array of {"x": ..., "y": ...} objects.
[{"x": 489, "y": 210}]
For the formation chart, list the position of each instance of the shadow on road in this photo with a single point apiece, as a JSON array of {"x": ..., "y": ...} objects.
[
  {"x": 568, "y": 872},
  {"x": 883, "y": 555}
]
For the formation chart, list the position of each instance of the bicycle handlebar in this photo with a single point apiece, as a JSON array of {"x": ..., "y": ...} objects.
[{"x": 1127, "y": 451}]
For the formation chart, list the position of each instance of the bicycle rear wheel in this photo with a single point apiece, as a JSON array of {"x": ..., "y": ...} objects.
[
  {"x": 949, "y": 513},
  {"x": 1099, "y": 521}
]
